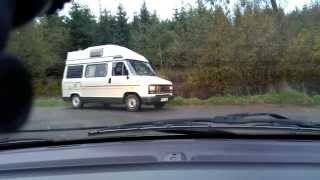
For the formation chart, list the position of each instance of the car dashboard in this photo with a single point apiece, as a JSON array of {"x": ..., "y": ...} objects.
[{"x": 167, "y": 159}]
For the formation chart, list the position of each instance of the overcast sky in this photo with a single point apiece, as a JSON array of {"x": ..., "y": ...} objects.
[{"x": 164, "y": 8}]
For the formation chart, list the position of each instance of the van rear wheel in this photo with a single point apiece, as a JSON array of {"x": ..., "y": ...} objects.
[
  {"x": 76, "y": 102},
  {"x": 133, "y": 103}
]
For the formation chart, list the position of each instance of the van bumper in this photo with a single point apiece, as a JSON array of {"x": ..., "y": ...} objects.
[{"x": 156, "y": 99}]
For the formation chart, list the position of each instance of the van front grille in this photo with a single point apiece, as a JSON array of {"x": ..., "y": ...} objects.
[{"x": 164, "y": 89}]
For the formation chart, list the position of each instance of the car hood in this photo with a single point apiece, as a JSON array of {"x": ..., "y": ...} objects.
[{"x": 152, "y": 80}]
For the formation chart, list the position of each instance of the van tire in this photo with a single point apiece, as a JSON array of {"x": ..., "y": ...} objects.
[
  {"x": 159, "y": 105},
  {"x": 133, "y": 103},
  {"x": 76, "y": 102}
]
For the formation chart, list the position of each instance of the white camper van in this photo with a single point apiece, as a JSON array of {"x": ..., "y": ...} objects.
[{"x": 112, "y": 74}]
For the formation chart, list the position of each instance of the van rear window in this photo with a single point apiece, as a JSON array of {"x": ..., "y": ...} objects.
[{"x": 74, "y": 72}]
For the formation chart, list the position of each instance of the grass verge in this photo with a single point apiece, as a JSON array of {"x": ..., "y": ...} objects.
[
  {"x": 282, "y": 98},
  {"x": 48, "y": 102}
]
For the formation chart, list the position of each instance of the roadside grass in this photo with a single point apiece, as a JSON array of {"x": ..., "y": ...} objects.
[
  {"x": 49, "y": 102},
  {"x": 280, "y": 98}
]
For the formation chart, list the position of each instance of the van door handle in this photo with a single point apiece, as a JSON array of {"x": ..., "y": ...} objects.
[{"x": 109, "y": 80}]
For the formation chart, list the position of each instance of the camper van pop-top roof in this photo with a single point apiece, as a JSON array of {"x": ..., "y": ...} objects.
[{"x": 110, "y": 52}]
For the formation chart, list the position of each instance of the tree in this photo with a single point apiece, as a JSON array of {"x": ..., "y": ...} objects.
[
  {"x": 81, "y": 24},
  {"x": 144, "y": 14},
  {"x": 151, "y": 37},
  {"x": 105, "y": 32},
  {"x": 122, "y": 32},
  {"x": 56, "y": 33},
  {"x": 30, "y": 45},
  {"x": 273, "y": 3},
  {"x": 139, "y": 30}
]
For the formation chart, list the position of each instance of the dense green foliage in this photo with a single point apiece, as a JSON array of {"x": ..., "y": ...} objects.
[{"x": 205, "y": 50}]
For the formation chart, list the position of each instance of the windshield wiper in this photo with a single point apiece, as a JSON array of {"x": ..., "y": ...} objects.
[
  {"x": 212, "y": 125},
  {"x": 18, "y": 142},
  {"x": 170, "y": 129}
]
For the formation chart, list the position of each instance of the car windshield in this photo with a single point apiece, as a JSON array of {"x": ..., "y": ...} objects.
[
  {"x": 90, "y": 68},
  {"x": 142, "y": 68}
]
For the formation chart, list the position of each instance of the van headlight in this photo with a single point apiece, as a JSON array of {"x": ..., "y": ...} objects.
[
  {"x": 152, "y": 89},
  {"x": 171, "y": 88}
]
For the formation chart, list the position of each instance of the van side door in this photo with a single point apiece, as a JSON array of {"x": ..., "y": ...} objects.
[{"x": 95, "y": 83}]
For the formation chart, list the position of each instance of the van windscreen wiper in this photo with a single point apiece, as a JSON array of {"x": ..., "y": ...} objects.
[{"x": 218, "y": 124}]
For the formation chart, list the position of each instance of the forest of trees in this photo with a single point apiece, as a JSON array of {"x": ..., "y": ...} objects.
[{"x": 207, "y": 50}]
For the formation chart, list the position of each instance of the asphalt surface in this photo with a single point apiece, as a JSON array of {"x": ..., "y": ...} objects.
[
  {"x": 51, "y": 118},
  {"x": 64, "y": 117}
]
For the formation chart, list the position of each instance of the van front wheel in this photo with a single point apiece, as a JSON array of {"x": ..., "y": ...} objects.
[
  {"x": 76, "y": 102},
  {"x": 133, "y": 103}
]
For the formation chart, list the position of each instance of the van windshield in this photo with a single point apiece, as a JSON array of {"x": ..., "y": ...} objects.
[{"x": 142, "y": 68}]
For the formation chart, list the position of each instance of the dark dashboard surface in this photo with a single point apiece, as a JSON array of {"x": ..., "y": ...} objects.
[{"x": 170, "y": 159}]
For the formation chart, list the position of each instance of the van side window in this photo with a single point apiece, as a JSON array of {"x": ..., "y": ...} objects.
[
  {"x": 97, "y": 70},
  {"x": 74, "y": 72},
  {"x": 119, "y": 69}
]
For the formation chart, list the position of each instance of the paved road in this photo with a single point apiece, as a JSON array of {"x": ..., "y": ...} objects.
[{"x": 63, "y": 117}]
